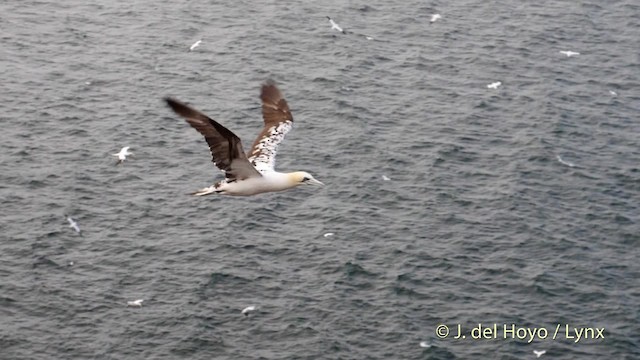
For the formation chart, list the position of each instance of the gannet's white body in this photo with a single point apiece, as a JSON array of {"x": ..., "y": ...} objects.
[{"x": 269, "y": 182}]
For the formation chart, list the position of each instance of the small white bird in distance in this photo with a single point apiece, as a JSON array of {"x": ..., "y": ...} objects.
[
  {"x": 613, "y": 93},
  {"x": 73, "y": 224},
  {"x": 195, "y": 45},
  {"x": 562, "y": 161},
  {"x": 494, "y": 85},
  {"x": 335, "y": 26},
  {"x": 135, "y": 303},
  {"x": 435, "y": 18},
  {"x": 328, "y": 234},
  {"x": 122, "y": 155},
  {"x": 539, "y": 352},
  {"x": 570, "y": 53},
  {"x": 248, "y": 309},
  {"x": 424, "y": 344},
  {"x": 385, "y": 178}
]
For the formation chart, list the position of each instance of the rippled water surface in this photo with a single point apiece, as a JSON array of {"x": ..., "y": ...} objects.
[{"x": 480, "y": 221}]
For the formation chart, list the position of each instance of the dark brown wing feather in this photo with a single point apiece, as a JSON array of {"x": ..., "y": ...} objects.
[
  {"x": 277, "y": 122},
  {"x": 226, "y": 149}
]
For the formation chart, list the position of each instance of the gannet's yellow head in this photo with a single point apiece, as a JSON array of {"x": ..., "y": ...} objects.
[{"x": 303, "y": 177}]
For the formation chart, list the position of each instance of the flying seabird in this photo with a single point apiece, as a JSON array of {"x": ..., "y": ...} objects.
[
  {"x": 561, "y": 160},
  {"x": 73, "y": 224},
  {"x": 435, "y": 18},
  {"x": 195, "y": 45},
  {"x": 335, "y": 26},
  {"x": 251, "y": 173},
  {"x": 539, "y": 352},
  {"x": 122, "y": 155},
  {"x": 569, "y": 53},
  {"x": 494, "y": 85},
  {"x": 248, "y": 309},
  {"x": 135, "y": 303}
]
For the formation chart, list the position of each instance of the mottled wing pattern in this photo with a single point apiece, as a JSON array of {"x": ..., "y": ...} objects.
[
  {"x": 226, "y": 149},
  {"x": 277, "y": 123}
]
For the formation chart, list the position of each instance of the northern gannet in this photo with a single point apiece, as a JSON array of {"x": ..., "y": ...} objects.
[{"x": 252, "y": 173}]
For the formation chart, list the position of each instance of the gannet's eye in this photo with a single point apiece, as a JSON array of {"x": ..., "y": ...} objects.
[{"x": 305, "y": 179}]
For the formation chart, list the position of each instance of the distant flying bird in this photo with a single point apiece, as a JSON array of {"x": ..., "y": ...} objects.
[
  {"x": 251, "y": 173},
  {"x": 435, "y": 18},
  {"x": 424, "y": 344},
  {"x": 73, "y": 224},
  {"x": 135, "y": 303},
  {"x": 335, "y": 26},
  {"x": 570, "y": 53},
  {"x": 569, "y": 164},
  {"x": 248, "y": 309},
  {"x": 539, "y": 352},
  {"x": 613, "y": 93},
  {"x": 195, "y": 45},
  {"x": 122, "y": 155},
  {"x": 328, "y": 234},
  {"x": 385, "y": 178},
  {"x": 494, "y": 85}
]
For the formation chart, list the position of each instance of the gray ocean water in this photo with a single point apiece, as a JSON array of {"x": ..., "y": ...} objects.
[{"x": 480, "y": 223}]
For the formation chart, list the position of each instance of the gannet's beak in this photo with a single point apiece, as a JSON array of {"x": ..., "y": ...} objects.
[{"x": 314, "y": 182}]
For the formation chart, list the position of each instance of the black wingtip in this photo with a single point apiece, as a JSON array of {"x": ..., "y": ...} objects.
[
  {"x": 180, "y": 108},
  {"x": 171, "y": 101},
  {"x": 177, "y": 106}
]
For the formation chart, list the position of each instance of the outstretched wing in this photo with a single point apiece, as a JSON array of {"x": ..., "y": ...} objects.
[
  {"x": 226, "y": 149},
  {"x": 277, "y": 123}
]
